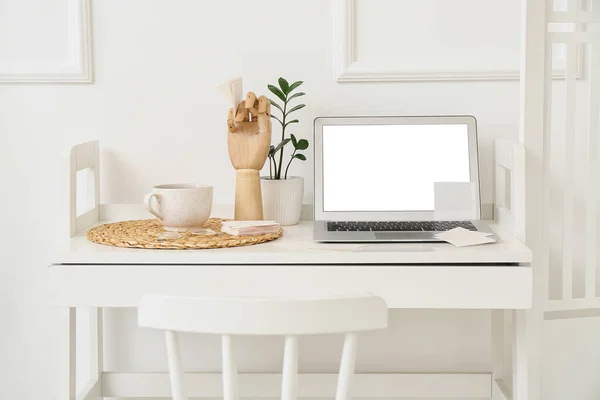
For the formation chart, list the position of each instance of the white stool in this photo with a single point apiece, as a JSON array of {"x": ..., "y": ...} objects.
[{"x": 254, "y": 316}]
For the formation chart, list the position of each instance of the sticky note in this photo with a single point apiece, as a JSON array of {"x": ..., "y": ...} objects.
[{"x": 461, "y": 237}]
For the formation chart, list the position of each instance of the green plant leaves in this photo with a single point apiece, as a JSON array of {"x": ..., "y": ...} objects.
[
  {"x": 296, "y": 95},
  {"x": 302, "y": 144},
  {"x": 284, "y": 85},
  {"x": 296, "y": 108},
  {"x": 295, "y": 85},
  {"x": 294, "y": 121},
  {"x": 276, "y": 119},
  {"x": 283, "y": 93},
  {"x": 276, "y": 105},
  {"x": 281, "y": 145},
  {"x": 276, "y": 92}
]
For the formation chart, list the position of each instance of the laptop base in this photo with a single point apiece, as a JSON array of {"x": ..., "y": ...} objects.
[{"x": 321, "y": 234}]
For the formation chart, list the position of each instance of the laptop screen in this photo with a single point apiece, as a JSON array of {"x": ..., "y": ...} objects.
[{"x": 391, "y": 167}]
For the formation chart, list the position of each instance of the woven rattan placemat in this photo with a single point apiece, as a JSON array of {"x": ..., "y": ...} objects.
[{"x": 145, "y": 234}]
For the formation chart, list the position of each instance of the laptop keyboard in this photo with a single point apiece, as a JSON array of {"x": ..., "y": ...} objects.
[{"x": 401, "y": 226}]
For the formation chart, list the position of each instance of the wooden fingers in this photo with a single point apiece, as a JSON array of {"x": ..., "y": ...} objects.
[
  {"x": 250, "y": 100},
  {"x": 231, "y": 121},
  {"x": 242, "y": 113},
  {"x": 262, "y": 104},
  {"x": 253, "y": 105},
  {"x": 264, "y": 123},
  {"x": 252, "y": 109}
]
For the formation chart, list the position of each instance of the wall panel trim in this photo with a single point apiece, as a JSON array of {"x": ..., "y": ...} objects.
[
  {"x": 349, "y": 69},
  {"x": 78, "y": 67}
]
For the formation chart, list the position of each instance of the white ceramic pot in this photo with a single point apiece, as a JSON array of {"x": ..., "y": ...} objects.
[{"x": 282, "y": 199}]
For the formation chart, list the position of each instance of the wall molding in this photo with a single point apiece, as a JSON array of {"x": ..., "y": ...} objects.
[
  {"x": 348, "y": 69},
  {"x": 78, "y": 67},
  {"x": 310, "y": 386}
]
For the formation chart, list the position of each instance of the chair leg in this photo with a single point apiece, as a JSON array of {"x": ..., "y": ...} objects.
[
  {"x": 289, "y": 384},
  {"x": 230, "y": 375},
  {"x": 66, "y": 378},
  {"x": 346, "y": 373},
  {"x": 175, "y": 370}
]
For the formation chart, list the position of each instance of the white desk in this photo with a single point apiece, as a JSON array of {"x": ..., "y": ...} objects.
[{"x": 433, "y": 276}]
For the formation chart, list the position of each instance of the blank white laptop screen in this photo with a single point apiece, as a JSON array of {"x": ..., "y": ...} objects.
[{"x": 391, "y": 167}]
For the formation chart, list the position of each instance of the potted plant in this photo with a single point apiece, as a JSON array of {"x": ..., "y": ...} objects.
[{"x": 282, "y": 194}]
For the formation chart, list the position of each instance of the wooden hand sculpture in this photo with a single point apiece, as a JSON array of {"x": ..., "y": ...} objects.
[{"x": 248, "y": 140}]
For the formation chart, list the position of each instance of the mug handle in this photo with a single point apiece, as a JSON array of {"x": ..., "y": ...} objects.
[{"x": 147, "y": 199}]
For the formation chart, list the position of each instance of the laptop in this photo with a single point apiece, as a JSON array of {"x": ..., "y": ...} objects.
[{"x": 375, "y": 176}]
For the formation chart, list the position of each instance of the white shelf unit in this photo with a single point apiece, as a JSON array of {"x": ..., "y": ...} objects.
[{"x": 567, "y": 254}]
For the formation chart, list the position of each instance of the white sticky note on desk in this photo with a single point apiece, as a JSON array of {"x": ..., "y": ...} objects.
[
  {"x": 455, "y": 201},
  {"x": 461, "y": 237}
]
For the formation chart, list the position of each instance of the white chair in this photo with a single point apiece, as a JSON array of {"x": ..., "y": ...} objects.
[{"x": 255, "y": 316}]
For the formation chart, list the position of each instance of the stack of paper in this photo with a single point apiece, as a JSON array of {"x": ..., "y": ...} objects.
[
  {"x": 461, "y": 237},
  {"x": 248, "y": 228}
]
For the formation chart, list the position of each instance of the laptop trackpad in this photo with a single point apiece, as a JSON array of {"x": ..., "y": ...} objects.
[{"x": 404, "y": 236}]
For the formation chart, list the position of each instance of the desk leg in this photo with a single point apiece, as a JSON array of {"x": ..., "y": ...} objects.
[
  {"x": 520, "y": 358},
  {"x": 96, "y": 343},
  {"x": 66, "y": 378},
  {"x": 68, "y": 368},
  {"x": 499, "y": 371},
  {"x": 500, "y": 362},
  {"x": 93, "y": 389}
]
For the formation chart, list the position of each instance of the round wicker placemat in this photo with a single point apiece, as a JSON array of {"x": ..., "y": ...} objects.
[{"x": 144, "y": 234}]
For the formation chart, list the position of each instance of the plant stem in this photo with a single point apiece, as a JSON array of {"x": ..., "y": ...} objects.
[
  {"x": 270, "y": 168},
  {"x": 274, "y": 167},
  {"x": 278, "y": 173},
  {"x": 288, "y": 165}
]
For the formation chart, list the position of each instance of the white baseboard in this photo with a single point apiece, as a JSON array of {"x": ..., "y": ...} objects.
[{"x": 311, "y": 386}]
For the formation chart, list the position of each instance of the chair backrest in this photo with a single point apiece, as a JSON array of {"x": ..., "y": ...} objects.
[{"x": 256, "y": 316}]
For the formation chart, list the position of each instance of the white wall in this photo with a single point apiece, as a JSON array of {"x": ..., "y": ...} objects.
[{"x": 155, "y": 108}]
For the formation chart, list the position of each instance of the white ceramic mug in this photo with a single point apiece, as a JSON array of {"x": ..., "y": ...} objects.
[{"x": 180, "y": 206}]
